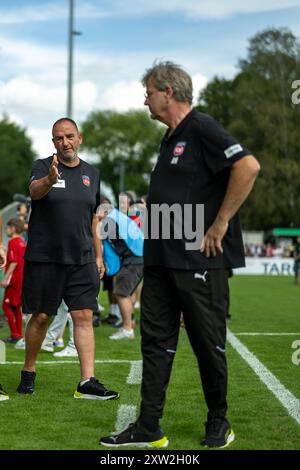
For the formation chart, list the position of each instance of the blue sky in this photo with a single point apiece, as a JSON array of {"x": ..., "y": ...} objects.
[{"x": 120, "y": 39}]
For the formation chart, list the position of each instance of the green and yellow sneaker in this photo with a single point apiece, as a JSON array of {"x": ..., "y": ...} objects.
[
  {"x": 94, "y": 390},
  {"x": 137, "y": 436},
  {"x": 218, "y": 433},
  {"x": 3, "y": 394}
]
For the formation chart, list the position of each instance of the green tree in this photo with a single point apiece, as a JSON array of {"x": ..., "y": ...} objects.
[
  {"x": 265, "y": 121},
  {"x": 16, "y": 157},
  {"x": 216, "y": 99},
  {"x": 256, "y": 108},
  {"x": 130, "y": 139}
]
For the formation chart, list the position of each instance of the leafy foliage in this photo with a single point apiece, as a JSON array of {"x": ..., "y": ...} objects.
[
  {"x": 16, "y": 157},
  {"x": 262, "y": 116},
  {"x": 130, "y": 139}
]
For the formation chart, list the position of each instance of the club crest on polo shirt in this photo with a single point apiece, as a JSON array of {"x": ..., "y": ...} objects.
[
  {"x": 86, "y": 180},
  {"x": 179, "y": 149},
  {"x": 178, "y": 152}
]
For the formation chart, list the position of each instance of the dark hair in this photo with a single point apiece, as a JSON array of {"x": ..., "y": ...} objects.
[
  {"x": 65, "y": 119},
  {"x": 17, "y": 224},
  {"x": 130, "y": 195},
  {"x": 104, "y": 199},
  {"x": 22, "y": 204},
  {"x": 142, "y": 199}
]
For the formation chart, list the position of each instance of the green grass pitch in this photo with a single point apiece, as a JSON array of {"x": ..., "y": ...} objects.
[{"x": 53, "y": 419}]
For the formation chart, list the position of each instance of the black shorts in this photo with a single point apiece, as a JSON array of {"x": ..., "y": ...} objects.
[
  {"x": 45, "y": 285},
  {"x": 107, "y": 282},
  {"x": 127, "y": 279}
]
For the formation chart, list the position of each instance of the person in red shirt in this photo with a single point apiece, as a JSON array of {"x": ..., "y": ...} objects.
[
  {"x": 13, "y": 279},
  {"x": 3, "y": 394}
]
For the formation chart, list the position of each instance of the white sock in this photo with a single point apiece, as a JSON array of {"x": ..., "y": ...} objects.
[
  {"x": 84, "y": 381},
  {"x": 127, "y": 331},
  {"x": 115, "y": 310}
]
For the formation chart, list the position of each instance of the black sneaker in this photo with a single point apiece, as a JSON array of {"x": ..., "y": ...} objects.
[
  {"x": 96, "y": 321},
  {"x": 11, "y": 340},
  {"x": 3, "y": 394},
  {"x": 27, "y": 382},
  {"x": 110, "y": 319},
  {"x": 137, "y": 436},
  {"x": 94, "y": 390},
  {"x": 217, "y": 433}
]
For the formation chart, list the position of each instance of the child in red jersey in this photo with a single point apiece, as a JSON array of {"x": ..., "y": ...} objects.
[{"x": 13, "y": 279}]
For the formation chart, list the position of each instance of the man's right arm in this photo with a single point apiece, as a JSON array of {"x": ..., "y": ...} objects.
[{"x": 39, "y": 188}]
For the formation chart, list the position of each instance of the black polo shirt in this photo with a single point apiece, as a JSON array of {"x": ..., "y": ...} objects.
[
  {"x": 193, "y": 167},
  {"x": 60, "y": 225}
]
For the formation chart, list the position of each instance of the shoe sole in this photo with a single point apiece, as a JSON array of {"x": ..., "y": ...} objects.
[
  {"x": 230, "y": 439},
  {"x": 44, "y": 348},
  {"x": 64, "y": 355},
  {"x": 162, "y": 443},
  {"x": 4, "y": 397},
  {"x": 86, "y": 396},
  {"x": 126, "y": 337}
]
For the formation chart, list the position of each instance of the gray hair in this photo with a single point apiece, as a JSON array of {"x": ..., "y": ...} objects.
[{"x": 168, "y": 73}]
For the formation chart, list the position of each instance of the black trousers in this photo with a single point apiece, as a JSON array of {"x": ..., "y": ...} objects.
[{"x": 202, "y": 298}]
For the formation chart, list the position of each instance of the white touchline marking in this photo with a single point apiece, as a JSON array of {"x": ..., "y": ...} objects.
[
  {"x": 135, "y": 373},
  {"x": 286, "y": 398},
  {"x": 97, "y": 361},
  {"x": 267, "y": 334},
  {"x": 126, "y": 415}
]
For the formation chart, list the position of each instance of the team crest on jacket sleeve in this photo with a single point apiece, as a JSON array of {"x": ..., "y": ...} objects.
[
  {"x": 179, "y": 149},
  {"x": 86, "y": 180}
]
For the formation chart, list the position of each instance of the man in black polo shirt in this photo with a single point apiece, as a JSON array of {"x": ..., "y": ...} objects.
[
  {"x": 199, "y": 163},
  {"x": 63, "y": 259}
]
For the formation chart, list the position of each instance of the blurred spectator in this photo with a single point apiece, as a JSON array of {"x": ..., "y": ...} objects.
[
  {"x": 23, "y": 215},
  {"x": 128, "y": 249},
  {"x": 296, "y": 260},
  {"x": 2, "y": 259},
  {"x": 126, "y": 199},
  {"x": 13, "y": 279}
]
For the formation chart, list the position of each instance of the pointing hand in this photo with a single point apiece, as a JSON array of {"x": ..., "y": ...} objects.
[{"x": 53, "y": 170}]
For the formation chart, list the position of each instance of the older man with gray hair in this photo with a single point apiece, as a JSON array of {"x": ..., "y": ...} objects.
[{"x": 199, "y": 163}]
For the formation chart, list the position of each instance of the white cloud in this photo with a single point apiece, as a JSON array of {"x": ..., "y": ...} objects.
[
  {"x": 36, "y": 106},
  {"x": 32, "y": 13},
  {"x": 210, "y": 9},
  {"x": 43, "y": 99},
  {"x": 199, "y": 82},
  {"x": 28, "y": 95},
  {"x": 123, "y": 95},
  {"x": 193, "y": 9},
  {"x": 35, "y": 90},
  {"x": 31, "y": 59},
  {"x": 42, "y": 142},
  {"x": 34, "y": 76}
]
